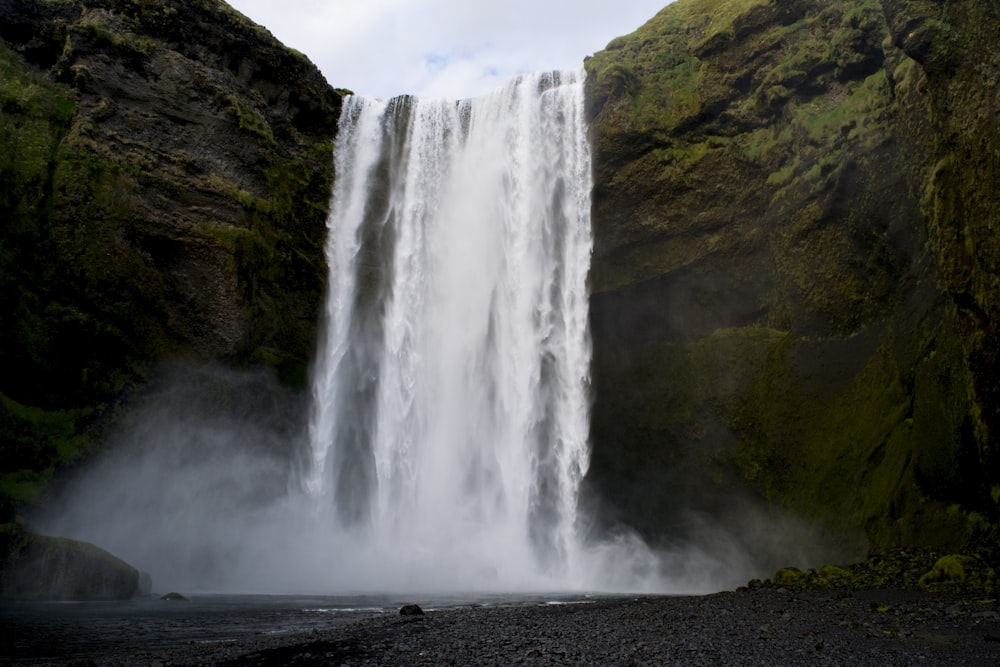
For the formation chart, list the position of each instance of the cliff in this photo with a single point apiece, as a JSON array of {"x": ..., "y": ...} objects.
[
  {"x": 794, "y": 273},
  {"x": 166, "y": 169}
]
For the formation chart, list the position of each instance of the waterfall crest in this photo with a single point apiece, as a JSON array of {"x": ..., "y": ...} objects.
[{"x": 451, "y": 415}]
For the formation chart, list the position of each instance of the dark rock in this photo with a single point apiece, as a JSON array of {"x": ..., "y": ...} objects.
[
  {"x": 173, "y": 597},
  {"x": 39, "y": 567},
  {"x": 411, "y": 610}
]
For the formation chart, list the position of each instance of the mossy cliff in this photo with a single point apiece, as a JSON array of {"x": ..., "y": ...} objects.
[
  {"x": 165, "y": 171},
  {"x": 795, "y": 268}
]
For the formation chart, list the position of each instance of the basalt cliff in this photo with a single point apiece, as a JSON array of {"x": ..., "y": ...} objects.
[
  {"x": 794, "y": 280},
  {"x": 794, "y": 276},
  {"x": 166, "y": 169}
]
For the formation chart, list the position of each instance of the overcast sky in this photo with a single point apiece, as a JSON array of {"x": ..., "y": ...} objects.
[{"x": 444, "y": 48}]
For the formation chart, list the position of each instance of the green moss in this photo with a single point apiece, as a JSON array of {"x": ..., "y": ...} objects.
[
  {"x": 219, "y": 185},
  {"x": 790, "y": 577},
  {"x": 832, "y": 576},
  {"x": 959, "y": 572},
  {"x": 249, "y": 120},
  {"x": 855, "y": 455},
  {"x": 781, "y": 176},
  {"x": 825, "y": 578},
  {"x": 949, "y": 569},
  {"x": 129, "y": 46},
  {"x": 662, "y": 76},
  {"x": 920, "y": 568}
]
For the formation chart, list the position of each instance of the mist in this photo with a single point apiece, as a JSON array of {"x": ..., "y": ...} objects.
[{"x": 198, "y": 487}]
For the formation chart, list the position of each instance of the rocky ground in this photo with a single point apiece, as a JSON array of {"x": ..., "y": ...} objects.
[{"x": 770, "y": 626}]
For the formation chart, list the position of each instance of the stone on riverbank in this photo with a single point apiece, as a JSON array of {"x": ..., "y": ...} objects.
[
  {"x": 411, "y": 610},
  {"x": 39, "y": 567}
]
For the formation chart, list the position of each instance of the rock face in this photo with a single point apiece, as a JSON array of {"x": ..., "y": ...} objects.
[
  {"x": 166, "y": 168},
  {"x": 38, "y": 567},
  {"x": 794, "y": 274}
]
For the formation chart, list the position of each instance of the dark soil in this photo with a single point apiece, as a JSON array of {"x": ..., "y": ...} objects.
[{"x": 771, "y": 626}]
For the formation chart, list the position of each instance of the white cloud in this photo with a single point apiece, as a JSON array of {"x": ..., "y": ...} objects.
[{"x": 444, "y": 48}]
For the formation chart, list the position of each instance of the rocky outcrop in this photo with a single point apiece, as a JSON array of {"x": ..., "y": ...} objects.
[
  {"x": 166, "y": 168},
  {"x": 794, "y": 283},
  {"x": 38, "y": 567}
]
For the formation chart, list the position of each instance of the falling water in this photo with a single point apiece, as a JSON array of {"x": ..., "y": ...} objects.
[{"x": 451, "y": 403}]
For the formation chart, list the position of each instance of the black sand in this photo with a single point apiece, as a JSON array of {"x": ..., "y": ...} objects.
[{"x": 763, "y": 627}]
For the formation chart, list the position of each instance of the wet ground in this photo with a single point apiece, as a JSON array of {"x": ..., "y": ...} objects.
[
  {"x": 764, "y": 627},
  {"x": 61, "y": 632}
]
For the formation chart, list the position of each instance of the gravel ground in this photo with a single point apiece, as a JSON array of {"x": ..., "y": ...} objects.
[{"x": 763, "y": 627}]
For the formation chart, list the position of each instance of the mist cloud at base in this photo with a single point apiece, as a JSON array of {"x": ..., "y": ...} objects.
[{"x": 197, "y": 486}]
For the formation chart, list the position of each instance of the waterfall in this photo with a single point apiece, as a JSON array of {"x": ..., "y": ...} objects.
[
  {"x": 449, "y": 423},
  {"x": 450, "y": 415}
]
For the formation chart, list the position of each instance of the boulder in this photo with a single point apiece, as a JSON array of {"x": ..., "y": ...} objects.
[
  {"x": 411, "y": 610},
  {"x": 39, "y": 567}
]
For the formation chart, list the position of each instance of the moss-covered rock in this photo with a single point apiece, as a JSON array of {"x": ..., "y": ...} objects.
[
  {"x": 790, "y": 274},
  {"x": 924, "y": 569},
  {"x": 959, "y": 572},
  {"x": 824, "y": 578},
  {"x": 788, "y": 577},
  {"x": 38, "y": 567}
]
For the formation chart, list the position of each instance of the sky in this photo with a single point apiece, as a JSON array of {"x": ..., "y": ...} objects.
[{"x": 449, "y": 49}]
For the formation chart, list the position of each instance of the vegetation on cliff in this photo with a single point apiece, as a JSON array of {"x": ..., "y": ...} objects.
[
  {"x": 165, "y": 169},
  {"x": 788, "y": 294}
]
